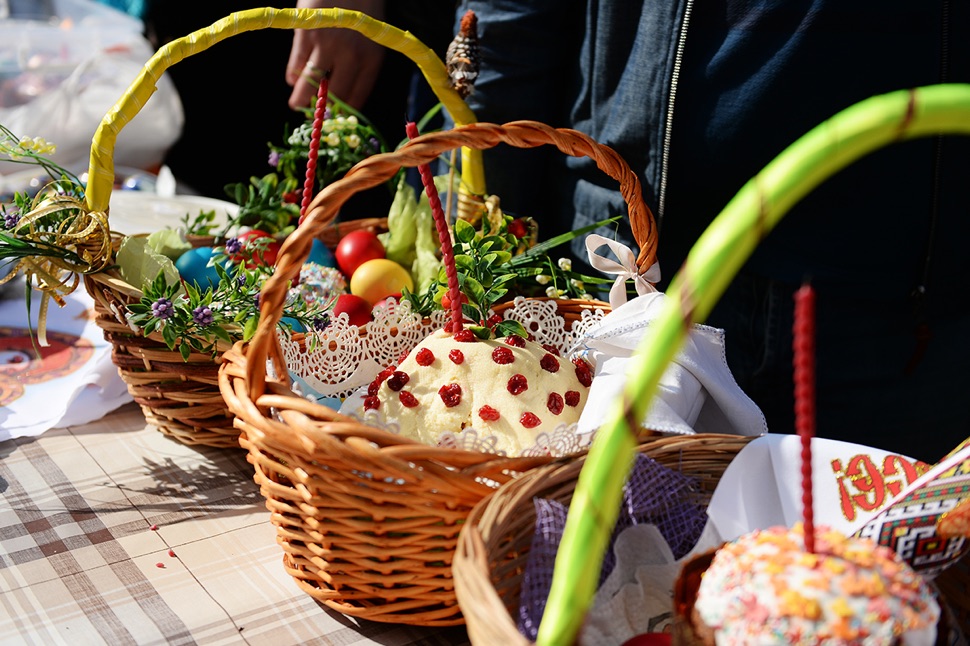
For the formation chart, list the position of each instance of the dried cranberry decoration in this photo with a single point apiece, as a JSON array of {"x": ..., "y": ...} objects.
[
  {"x": 371, "y": 402},
  {"x": 583, "y": 372},
  {"x": 398, "y": 380},
  {"x": 424, "y": 357},
  {"x": 515, "y": 341},
  {"x": 450, "y": 394},
  {"x": 518, "y": 384},
  {"x": 465, "y": 336},
  {"x": 488, "y": 413},
  {"x": 407, "y": 399},
  {"x": 554, "y": 403},
  {"x": 502, "y": 356},
  {"x": 572, "y": 398},
  {"x": 457, "y": 357},
  {"x": 549, "y": 363},
  {"x": 530, "y": 420}
]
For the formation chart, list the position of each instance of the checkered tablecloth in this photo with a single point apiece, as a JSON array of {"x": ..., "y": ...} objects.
[{"x": 111, "y": 533}]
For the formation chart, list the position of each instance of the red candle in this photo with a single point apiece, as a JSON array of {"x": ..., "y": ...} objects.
[
  {"x": 311, "y": 164},
  {"x": 803, "y": 350},
  {"x": 444, "y": 236}
]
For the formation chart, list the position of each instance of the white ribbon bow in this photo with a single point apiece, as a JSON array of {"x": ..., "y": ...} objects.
[{"x": 624, "y": 270}]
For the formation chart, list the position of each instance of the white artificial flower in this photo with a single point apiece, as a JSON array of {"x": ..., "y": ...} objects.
[
  {"x": 565, "y": 264},
  {"x": 542, "y": 279}
]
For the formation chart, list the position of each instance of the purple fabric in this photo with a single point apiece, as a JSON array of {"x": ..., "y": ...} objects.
[{"x": 653, "y": 494}]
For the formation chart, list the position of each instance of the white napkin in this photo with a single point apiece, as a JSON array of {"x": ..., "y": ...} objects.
[
  {"x": 73, "y": 387},
  {"x": 698, "y": 393},
  {"x": 635, "y": 598}
]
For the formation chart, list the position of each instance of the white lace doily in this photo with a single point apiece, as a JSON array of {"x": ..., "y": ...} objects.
[{"x": 342, "y": 358}]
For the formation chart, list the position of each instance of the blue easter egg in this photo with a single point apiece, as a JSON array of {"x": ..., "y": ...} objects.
[
  {"x": 193, "y": 267},
  {"x": 321, "y": 255},
  {"x": 293, "y": 324}
]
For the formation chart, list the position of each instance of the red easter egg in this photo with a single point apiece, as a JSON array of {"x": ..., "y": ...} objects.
[
  {"x": 358, "y": 310},
  {"x": 356, "y": 248},
  {"x": 265, "y": 256}
]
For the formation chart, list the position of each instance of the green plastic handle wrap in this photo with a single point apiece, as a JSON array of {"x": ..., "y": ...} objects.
[
  {"x": 101, "y": 168},
  {"x": 711, "y": 265}
]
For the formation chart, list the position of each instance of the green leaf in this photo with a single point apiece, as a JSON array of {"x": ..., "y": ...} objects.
[
  {"x": 510, "y": 327},
  {"x": 473, "y": 290},
  {"x": 169, "y": 335},
  {"x": 480, "y": 331},
  {"x": 221, "y": 333},
  {"x": 249, "y": 327},
  {"x": 463, "y": 263},
  {"x": 464, "y": 232},
  {"x": 184, "y": 351}
]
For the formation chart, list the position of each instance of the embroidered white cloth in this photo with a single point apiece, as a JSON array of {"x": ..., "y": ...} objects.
[
  {"x": 698, "y": 393},
  {"x": 72, "y": 381}
]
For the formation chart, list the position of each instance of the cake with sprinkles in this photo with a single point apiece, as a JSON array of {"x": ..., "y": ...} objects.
[
  {"x": 765, "y": 588},
  {"x": 510, "y": 388}
]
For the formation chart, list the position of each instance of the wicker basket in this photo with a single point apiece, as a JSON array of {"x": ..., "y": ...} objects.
[
  {"x": 181, "y": 397},
  {"x": 494, "y": 544},
  {"x": 488, "y": 558},
  {"x": 368, "y": 520}
]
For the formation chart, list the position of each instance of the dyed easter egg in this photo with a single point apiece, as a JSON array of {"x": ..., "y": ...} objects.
[
  {"x": 320, "y": 255},
  {"x": 193, "y": 267},
  {"x": 379, "y": 278}
]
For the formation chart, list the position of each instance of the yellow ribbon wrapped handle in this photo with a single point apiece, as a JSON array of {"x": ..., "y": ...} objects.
[{"x": 101, "y": 169}]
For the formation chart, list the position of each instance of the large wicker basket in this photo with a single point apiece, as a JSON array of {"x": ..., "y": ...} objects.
[
  {"x": 489, "y": 559},
  {"x": 179, "y": 396},
  {"x": 368, "y": 520}
]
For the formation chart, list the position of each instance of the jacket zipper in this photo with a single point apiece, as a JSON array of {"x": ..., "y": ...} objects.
[
  {"x": 919, "y": 295},
  {"x": 668, "y": 125}
]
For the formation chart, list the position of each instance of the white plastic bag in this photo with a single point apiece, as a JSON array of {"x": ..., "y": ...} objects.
[{"x": 59, "y": 77}]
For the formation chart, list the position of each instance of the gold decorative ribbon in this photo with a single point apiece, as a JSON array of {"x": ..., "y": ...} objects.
[{"x": 79, "y": 242}]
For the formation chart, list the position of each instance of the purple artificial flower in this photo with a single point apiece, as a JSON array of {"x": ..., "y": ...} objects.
[
  {"x": 274, "y": 159},
  {"x": 327, "y": 114},
  {"x": 10, "y": 219},
  {"x": 233, "y": 246},
  {"x": 202, "y": 315},
  {"x": 374, "y": 144},
  {"x": 162, "y": 309},
  {"x": 321, "y": 322}
]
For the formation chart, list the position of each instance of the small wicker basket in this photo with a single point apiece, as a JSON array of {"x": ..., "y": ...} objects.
[
  {"x": 368, "y": 520},
  {"x": 179, "y": 396},
  {"x": 494, "y": 544}
]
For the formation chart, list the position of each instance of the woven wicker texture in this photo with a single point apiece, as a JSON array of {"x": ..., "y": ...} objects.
[
  {"x": 180, "y": 397},
  {"x": 494, "y": 544},
  {"x": 368, "y": 521}
]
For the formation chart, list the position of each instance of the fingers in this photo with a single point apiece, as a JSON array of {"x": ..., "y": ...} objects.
[{"x": 353, "y": 61}]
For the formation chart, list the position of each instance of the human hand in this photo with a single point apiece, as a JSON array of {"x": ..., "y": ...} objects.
[{"x": 353, "y": 60}]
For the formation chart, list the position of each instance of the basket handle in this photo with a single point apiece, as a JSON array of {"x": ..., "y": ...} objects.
[
  {"x": 423, "y": 150},
  {"x": 711, "y": 265},
  {"x": 101, "y": 166}
]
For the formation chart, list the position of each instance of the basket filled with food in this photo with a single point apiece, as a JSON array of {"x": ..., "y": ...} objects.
[{"x": 791, "y": 547}]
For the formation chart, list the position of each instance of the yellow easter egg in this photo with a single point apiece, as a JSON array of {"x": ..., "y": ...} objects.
[{"x": 379, "y": 278}]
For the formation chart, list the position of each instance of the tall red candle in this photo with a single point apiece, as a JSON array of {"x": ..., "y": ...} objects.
[
  {"x": 803, "y": 349},
  {"x": 444, "y": 236},
  {"x": 311, "y": 164}
]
